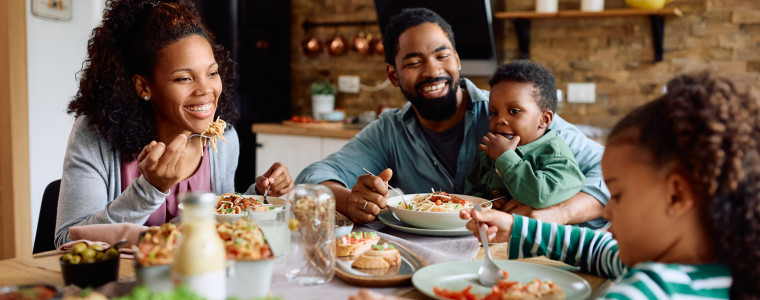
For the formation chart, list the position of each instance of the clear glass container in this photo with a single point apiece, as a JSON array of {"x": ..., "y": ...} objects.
[
  {"x": 311, "y": 254},
  {"x": 199, "y": 260}
]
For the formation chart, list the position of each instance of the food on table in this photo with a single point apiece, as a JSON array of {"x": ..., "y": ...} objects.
[
  {"x": 356, "y": 243},
  {"x": 236, "y": 204},
  {"x": 510, "y": 290},
  {"x": 379, "y": 257},
  {"x": 215, "y": 129},
  {"x": 297, "y": 119},
  {"x": 436, "y": 202},
  {"x": 156, "y": 247},
  {"x": 144, "y": 293},
  {"x": 83, "y": 254},
  {"x": 243, "y": 240},
  {"x": 28, "y": 292},
  {"x": 86, "y": 294}
]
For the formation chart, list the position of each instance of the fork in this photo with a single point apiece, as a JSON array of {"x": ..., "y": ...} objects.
[
  {"x": 397, "y": 192},
  {"x": 190, "y": 137}
]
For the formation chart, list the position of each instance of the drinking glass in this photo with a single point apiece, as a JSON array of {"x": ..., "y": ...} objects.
[
  {"x": 273, "y": 221},
  {"x": 311, "y": 254}
]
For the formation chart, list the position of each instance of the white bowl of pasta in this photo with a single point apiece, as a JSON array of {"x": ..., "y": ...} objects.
[
  {"x": 433, "y": 210},
  {"x": 231, "y": 207}
]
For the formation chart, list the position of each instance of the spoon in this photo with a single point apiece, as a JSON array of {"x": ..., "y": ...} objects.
[
  {"x": 119, "y": 244},
  {"x": 489, "y": 273}
]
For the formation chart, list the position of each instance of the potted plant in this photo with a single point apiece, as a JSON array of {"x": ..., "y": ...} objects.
[{"x": 322, "y": 98}]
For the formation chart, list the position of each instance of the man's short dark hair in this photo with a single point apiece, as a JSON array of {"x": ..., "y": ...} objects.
[
  {"x": 524, "y": 71},
  {"x": 408, "y": 18}
]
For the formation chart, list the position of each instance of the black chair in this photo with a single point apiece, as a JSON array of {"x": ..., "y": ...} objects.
[{"x": 45, "y": 240}]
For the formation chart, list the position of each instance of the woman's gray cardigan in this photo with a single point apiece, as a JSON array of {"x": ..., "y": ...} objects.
[{"x": 91, "y": 183}]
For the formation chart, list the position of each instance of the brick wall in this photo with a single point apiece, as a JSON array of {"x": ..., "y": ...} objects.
[{"x": 615, "y": 53}]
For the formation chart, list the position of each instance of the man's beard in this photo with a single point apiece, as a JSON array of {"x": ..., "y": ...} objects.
[{"x": 438, "y": 109}]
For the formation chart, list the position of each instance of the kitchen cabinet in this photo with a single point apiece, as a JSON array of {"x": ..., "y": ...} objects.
[{"x": 295, "y": 151}]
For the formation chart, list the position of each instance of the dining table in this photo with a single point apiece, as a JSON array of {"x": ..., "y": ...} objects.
[{"x": 44, "y": 268}]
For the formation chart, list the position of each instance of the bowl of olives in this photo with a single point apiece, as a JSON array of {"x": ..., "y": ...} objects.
[{"x": 90, "y": 266}]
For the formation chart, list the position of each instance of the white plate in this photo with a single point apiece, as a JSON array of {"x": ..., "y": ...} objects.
[
  {"x": 388, "y": 219},
  {"x": 457, "y": 275},
  {"x": 431, "y": 220},
  {"x": 231, "y": 218}
]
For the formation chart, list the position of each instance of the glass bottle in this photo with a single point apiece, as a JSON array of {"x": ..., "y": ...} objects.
[
  {"x": 199, "y": 261},
  {"x": 311, "y": 254}
]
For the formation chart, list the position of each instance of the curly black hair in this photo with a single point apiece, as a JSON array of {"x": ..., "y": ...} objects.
[
  {"x": 128, "y": 42},
  {"x": 709, "y": 126},
  {"x": 408, "y": 18},
  {"x": 525, "y": 71}
]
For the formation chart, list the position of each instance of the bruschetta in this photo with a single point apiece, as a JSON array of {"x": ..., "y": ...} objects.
[
  {"x": 379, "y": 257},
  {"x": 356, "y": 243}
]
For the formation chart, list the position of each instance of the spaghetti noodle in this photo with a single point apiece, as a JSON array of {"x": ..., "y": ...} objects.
[
  {"x": 436, "y": 202},
  {"x": 215, "y": 129},
  {"x": 234, "y": 204}
]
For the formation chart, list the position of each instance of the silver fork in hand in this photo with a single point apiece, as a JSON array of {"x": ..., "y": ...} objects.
[{"x": 190, "y": 137}]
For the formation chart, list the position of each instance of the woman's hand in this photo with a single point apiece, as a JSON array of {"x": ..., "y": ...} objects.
[
  {"x": 498, "y": 224},
  {"x": 277, "y": 180},
  {"x": 158, "y": 162}
]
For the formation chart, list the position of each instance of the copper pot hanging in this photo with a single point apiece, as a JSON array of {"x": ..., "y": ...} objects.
[
  {"x": 362, "y": 44},
  {"x": 377, "y": 45},
  {"x": 337, "y": 45},
  {"x": 311, "y": 46}
]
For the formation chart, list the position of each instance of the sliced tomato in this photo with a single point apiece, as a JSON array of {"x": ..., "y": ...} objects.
[
  {"x": 295, "y": 119},
  {"x": 306, "y": 120}
]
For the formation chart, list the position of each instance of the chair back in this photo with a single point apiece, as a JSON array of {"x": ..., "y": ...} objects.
[{"x": 45, "y": 239}]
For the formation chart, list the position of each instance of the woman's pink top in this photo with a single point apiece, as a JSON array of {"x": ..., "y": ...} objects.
[{"x": 200, "y": 181}]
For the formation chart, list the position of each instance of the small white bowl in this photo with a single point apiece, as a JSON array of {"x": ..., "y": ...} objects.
[
  {"x": 231, "y": 218},
  {"x": 431, "y": 220},
  {"x": 343, "y": 227}
]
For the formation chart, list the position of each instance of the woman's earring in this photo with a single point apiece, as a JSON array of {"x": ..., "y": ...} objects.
[
  {"x": 671, "y": 212},
  {"x": 146, "y": 98}
]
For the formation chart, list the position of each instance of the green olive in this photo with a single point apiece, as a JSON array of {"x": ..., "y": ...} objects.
[
  {"x": 96, "y": 247},
  {"x": 66, "y": 257},
  {"x": 88, "y": 260},
  {"x": 101, "y": 256},
  {"x": 75, "y": 259},
  {"x": 112, "y": 253},
  {"x": 78, "y": 248},
  {"x": 87, "y": 253}
]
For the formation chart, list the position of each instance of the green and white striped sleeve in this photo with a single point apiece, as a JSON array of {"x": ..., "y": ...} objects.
[{"x": 593, "y": 251}]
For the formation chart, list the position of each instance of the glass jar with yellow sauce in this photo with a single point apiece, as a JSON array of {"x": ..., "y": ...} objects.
[{"x": 199, "y": 261}]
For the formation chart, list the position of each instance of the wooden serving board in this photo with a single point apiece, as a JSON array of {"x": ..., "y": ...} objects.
[
  {"x": 394, "y": 276},
  {"x": 317, "y": 125}
]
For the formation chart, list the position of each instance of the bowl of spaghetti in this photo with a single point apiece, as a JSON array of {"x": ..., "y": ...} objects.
[
  {"x": 231, "y": 207},
  {"x": 436, "y": 210}
]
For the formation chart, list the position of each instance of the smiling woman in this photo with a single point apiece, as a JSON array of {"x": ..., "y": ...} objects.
[{"x": 153, "y": 77}]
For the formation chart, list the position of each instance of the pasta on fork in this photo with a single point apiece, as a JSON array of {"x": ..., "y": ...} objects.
[{"x": 215, "y": 129}]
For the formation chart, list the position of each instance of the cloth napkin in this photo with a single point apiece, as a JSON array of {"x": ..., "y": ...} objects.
[{"x": 105, "y": 235}]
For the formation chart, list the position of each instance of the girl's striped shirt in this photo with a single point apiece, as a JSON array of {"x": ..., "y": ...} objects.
[{"x": 596, "y": 253}]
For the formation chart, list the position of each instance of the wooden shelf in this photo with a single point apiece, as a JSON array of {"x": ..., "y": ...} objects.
[
  {"x": 522, "y": 21},
  {"x": 626, "y": 12}
]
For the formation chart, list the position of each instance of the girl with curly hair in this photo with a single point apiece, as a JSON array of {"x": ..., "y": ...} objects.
[
  {"x": 684, "y": 175},
  {"x": 153, "y": 76}
]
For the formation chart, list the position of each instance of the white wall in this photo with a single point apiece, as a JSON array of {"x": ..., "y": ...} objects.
[{"x": 55, "y": 52}]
